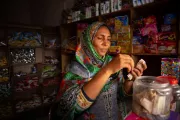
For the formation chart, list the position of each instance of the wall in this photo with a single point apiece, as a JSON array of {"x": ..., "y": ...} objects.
[
  {"x": 36, "y": 12},
  {"x": 53, "y": 10}
]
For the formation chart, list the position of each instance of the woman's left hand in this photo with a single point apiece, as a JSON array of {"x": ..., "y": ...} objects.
[{"x": 138, "y": 70}]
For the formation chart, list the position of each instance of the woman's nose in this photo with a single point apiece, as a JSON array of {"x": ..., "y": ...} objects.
[{"x": 106, "y": 42}]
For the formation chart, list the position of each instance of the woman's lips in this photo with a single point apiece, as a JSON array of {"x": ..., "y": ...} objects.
[{"x": 104, "y": 50}]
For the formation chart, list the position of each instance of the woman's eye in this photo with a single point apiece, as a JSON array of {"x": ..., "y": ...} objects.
[{"x": 100, "y": 38}]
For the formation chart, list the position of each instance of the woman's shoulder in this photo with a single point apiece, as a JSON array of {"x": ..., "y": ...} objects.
[{"x": 76, "y": 68}]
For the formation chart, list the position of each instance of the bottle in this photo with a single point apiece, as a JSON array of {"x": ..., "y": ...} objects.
[
  {"x": 119, "y": 4},
  {"x": 112, "y": 5},
  {"x": 102, "y": 8},
  {"x": 97, "y": 9},
  {"x": 107, "y": 6},
  {"x": 143, "y": 2},
  {"x": 134, "y": 3},
  {"x": 176, "y": 94}
]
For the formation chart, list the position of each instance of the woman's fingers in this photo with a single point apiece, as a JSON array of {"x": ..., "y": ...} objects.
[
  {"x": 137, "y": 72},
  {"x": 140, "y": 69},
  {"x": 127, "y": 60},
  {"x": 121, "y": 61},
  {"x": 128, "y": 66}
]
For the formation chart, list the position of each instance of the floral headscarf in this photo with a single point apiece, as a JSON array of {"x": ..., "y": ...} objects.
[{"x": 85, "y": 51}]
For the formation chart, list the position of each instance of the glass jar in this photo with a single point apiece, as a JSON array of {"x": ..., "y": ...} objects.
[{"x": 152, "y": 97}]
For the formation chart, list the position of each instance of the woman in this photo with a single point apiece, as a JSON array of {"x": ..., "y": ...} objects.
[{"x": 94, "y": 88}]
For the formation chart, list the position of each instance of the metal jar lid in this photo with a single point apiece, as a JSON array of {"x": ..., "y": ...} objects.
[{"x": 162, "y": 86}]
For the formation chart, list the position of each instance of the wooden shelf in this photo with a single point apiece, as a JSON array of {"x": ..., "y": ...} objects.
[
  {"x": 5, "y": 82},
  {"x": 48, "y": 104},
  {"x": 48, "y": 64},
  {"x": 66, "y": 51},
  {"x": 4, "y": 47},
  {"x": 29, "y": 91},
  {"x": 4, "y": 100},
  {"x": 21, "y": 64},
  {"x": 49, "y": 34},
  {"x": 50, "y": 77},
  {"x": 52, "y": 48},
  {"x": 24, "y": 47},
  {"x": 31, "y": 109},
  {"x": 28, "y": 75},
  {"x": 6, "y": 66},
  {"x": 147, "y": 54},
  {"x": 26, "y": 94},
  {"x": 158, "y": 8},
  {"x": 87, "y": 20},
  {"x": 23, "y": 26},
  {"x": 119, "y": 12},
  {"x": 51, "y": 85}
]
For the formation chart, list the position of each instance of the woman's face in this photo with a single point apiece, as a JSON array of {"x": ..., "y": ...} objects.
[{"x": 102, "y": 41}]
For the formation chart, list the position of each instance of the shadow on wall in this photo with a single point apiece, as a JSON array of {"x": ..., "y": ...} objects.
[{"x": 35, "y": 12}]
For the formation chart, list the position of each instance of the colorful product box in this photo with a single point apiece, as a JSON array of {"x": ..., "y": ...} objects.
[
  {"x": 149, "y": 29},
  {"x": 125, "y": 46},
  {"x": 151, "y": 48},
  {"x": 115, "y": 49},
  {"x": 138, "y": 48},
  {"x": 170, "y": 67},
  {"x": 166, "y": 47},
  {"x": 163, "y": 36}
]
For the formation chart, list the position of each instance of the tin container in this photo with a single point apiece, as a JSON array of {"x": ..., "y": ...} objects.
[{"x": 152, "y": 97}]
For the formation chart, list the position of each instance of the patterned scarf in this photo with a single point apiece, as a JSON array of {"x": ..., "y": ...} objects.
[
  {"x": 87, "y": 61},
  {"x": 86, "y": 55}
]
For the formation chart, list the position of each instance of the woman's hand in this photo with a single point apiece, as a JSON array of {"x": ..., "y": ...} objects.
[
  {"x": 138, "y": 70},
  {"x": 119, "y": 62}
]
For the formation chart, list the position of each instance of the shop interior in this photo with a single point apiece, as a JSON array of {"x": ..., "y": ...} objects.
[{"x": 38, "y": 40}]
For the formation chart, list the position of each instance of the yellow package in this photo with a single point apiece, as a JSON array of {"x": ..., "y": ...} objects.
[
  {"x": 114, "y": 37},
  {"x": 125, "y": 29},
  {"x": 124, "y": 36},
  {"x": 115, "y": 49},
  {"x": 125, "y": 47},
  {"x": 117, "y": 26}
]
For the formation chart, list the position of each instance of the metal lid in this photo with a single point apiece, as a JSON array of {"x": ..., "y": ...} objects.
[
  {"x": 161, "y": 85},
  {"x": 153, "y": 82}
]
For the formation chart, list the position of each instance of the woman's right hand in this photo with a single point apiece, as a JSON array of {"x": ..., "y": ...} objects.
[{"x": 119, "y": 62}]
